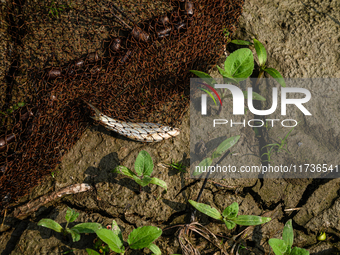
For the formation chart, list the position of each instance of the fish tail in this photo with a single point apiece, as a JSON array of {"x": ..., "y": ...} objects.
[{"x": 96, "y": 111}]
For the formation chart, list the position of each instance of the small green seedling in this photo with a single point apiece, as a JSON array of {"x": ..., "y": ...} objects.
[
  {"x": 238, "y": 66},
  {"x": 322, "y": 236},
  {"x": 13, "y": 108},
  {"x": 178, "y": 166},
  {"x": 242, "y": 247},
  {"x": 144, "y": 167},
  {"x": 225, "y": 32},
  {"x": 284, "y": 246},
  {"x": 229, "y": 215},
  {"x": 100, "y": 246},
  {"x": 53, "y": 174},
  {"x": 277, "y": 146},
  {"x": 224, "y": 146},
  {"x": 71, "y": 216},
  {"x": 262, "y": 59},
  {"x": 139, "y": 238},
  {"x": 55, "y": 9}
]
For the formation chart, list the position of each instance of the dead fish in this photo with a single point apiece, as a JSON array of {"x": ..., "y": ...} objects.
[{"x": 142, "y": 132}]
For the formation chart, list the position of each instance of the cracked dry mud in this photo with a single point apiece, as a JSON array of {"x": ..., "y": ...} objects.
[{"x": 302, "y": 40}]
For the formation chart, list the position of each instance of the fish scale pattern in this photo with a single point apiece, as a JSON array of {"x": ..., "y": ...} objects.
[{"x": 142, "y": 132}]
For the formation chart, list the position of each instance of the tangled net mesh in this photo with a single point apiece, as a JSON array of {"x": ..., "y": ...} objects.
[{"x": 56, "y": 56}]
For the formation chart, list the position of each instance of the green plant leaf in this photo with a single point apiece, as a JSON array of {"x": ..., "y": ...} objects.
[
  {"x": 159, "y": 182},
  {"x": 48, "y": 223},
  {"x": 142, "y": 237},
  {"x": 261, "y": 52},
  {"x": 144, "y": 164},
  {"x": 288, "y": 233},
  {"x": 224, "y": 146},
  {"x": 241, "y": 42},
  {"x": 143, "y": 182},
  {"x": 256, "y": 96},
  {"x": 208, "y": 92},
  {"x": 322, "y": 236},
  {"x": 278, "y": 245},
  {"x": 155, "y": 249},
  {"x": 116, "y": 230},
  {"x": 224, "y": 73},
  {"x": 67, "y": 252},
  {"x": 239, "y": 64},
  {"x": 89, "y": 227},
  {"x": 98, "y": 243},
  {"x": 207, "y": 209},
  {"x": 228, "y": 80},
  {"x": 271, "y": 145},
  {"x": 91, "y": 252},
  {"x": 21, "y": 104},
  {"x": 204, "y": 163},
  {"x": 289, "y": 249},
  {"x": 250, "y": 220},
  {"x": 231, "y": 211},
  {"x": 207, "y": 78},
  {"x": 225, "y": 32},
  {"x": 276, "y": 75},
  {"x": 201, "y": 74},
  {"x": 229, "y": 223},
  {"x": 71, "y": 215},
  {"x": 74, "y": 233},
  {"x": 124, "y": 170},
  {"x": 178, "y": 166},
  {"x": 299, "y": 251},
  {"x": 284, "y": 140},
  {"x": 111, "y": 239}
]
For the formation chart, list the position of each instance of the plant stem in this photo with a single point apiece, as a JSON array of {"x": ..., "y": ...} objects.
[
  {"x": 192, "y": 216},
  {"x": 258, "y": 79}
]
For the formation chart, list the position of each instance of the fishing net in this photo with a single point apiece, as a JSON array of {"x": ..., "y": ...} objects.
[{"x": 129, "y": 58}]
